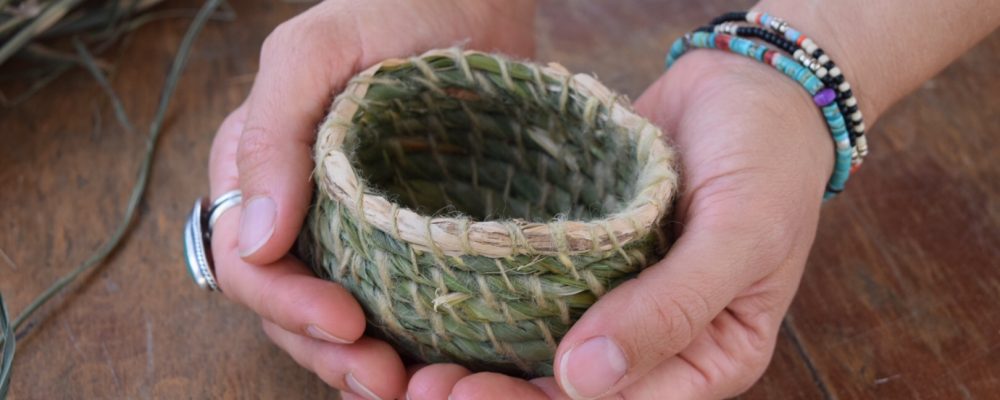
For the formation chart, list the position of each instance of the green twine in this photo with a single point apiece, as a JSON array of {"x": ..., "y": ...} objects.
[
  {"x": 99, "y": 24},
  {"x": 8, "y": 340}
]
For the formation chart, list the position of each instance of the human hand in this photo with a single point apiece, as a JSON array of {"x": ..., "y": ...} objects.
[
  {"x": 264, "y": 148},
  {"x": 703, "y": 322}
]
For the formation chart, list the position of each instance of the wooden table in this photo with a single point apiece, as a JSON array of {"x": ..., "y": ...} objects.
[{"x": 900, "y": 299}]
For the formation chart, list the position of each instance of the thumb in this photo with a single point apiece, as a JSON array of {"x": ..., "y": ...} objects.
[
  {"x": 649, "y": 319},
  {"x": 296, "y": 80}
]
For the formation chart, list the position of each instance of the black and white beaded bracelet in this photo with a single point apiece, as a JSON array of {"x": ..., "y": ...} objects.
[{"x": 809, "y": 54}]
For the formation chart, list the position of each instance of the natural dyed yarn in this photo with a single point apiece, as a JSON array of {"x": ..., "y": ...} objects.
[{"x": 476, "y": 206}]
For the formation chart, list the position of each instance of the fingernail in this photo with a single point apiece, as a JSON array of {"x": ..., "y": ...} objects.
[
  {"x": 256, "y": 224},
  {"x": 359, "y": 389},
  {"x": 318, "y": 333},
  {"x": 590, "y": 369}
]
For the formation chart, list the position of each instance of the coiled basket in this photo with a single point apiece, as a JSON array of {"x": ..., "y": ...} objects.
[{"x": 476, "y": 206}]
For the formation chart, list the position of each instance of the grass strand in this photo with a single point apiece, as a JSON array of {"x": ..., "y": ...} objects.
[
  {"x": 8, "y": 343},
  {"x": 47, "y": 18},
  {"x": 135, "y": 198}
]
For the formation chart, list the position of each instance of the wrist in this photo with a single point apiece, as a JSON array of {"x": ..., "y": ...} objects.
[
  {"x": 822, "y": 21},
  {"x": 761, "y": 110}
]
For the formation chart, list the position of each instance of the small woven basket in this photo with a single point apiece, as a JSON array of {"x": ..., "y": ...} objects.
[{"x": 476, "y": 206}]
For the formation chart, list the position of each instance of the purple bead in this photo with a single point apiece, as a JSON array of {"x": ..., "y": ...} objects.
[{"x": 825, "y": 97}]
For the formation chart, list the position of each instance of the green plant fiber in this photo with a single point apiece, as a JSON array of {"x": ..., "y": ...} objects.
[
  {"x": 115, "y": 238},
  {"x": 477, "y": 137}
]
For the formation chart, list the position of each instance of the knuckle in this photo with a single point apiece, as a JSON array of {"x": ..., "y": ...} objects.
[
  {"x": 755, "y": 362},
  {"x": 312, "y": 45},
  {"x": 676, "y": 314},
  {"x": 233, "y": 123},
  {"x": 276, "y": 41},
  {"x": 743, "y": 366},
  {"x": 263, "y": 300},
  {"x": 728, "y": 376},
  {"x": 773, "y": 246},
  {"x": 743, "y": 379},
  {"x": 779, "y": 226},
  {"x": 295, "y": 38},
  {"x": 254, "y": 151}
]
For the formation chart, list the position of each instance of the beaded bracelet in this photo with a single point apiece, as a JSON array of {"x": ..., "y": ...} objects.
[
  {"x": 824, "y": 97},
  {"x": 820, "y": 70},
  {"x": 820, "y": 63}
]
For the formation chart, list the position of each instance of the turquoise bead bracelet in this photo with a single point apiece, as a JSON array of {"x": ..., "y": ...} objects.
[
  {"x": 810, "y": 47},
  {"x": 809, "y": 54},
  {"x": 823, "y": 97}
]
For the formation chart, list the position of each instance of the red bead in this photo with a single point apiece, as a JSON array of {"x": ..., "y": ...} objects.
[
  {"x": 801, "y": 39},
  {"x": 769, "y": 56},
  {"x": 722, "y": 42}
]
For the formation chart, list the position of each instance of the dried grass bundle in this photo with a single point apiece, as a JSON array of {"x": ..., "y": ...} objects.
[
  {"x": 8, "y": 328},
  {"x": 39, "y": 39}
]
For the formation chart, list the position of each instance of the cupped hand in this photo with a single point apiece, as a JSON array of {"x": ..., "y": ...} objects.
[
  {"x": 264, "y": 149},
  {"x": 703, "y": 322}
]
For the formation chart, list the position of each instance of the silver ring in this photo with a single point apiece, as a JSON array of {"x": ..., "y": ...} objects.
[{"x": 198, "y": 237}]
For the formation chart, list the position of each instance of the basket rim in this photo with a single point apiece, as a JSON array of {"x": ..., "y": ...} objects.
[{"x": 656, "y": 185}]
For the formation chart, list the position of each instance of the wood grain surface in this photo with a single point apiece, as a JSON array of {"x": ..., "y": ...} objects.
[{"x": 899, "y": 300}]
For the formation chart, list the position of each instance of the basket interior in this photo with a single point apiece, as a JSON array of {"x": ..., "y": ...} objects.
[{"x": 440, "y": 143}]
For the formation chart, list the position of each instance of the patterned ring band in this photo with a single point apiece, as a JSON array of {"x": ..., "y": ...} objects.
[{"x": 198, "y": 237}]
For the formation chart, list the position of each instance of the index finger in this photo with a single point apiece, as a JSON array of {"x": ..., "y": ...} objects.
[{"x": 299, "y": 72}]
